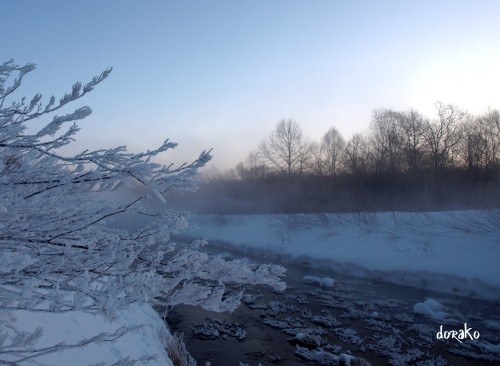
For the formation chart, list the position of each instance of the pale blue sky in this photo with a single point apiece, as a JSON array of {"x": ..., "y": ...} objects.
[{"x": 221, "y": 73}]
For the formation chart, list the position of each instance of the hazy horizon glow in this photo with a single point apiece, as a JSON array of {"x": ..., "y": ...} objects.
[{"x": 221, "y": 74}]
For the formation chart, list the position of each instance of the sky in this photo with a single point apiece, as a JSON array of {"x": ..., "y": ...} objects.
[{"x": 221, "y": 74}]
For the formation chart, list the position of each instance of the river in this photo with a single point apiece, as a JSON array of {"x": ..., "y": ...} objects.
[{"x": 369, "y": 319}]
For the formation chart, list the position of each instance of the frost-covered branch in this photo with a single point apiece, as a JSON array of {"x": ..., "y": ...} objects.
[{"x": 57, "y": 252}]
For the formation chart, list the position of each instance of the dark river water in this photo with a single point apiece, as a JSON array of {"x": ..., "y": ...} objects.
[{"x": 370, "y": 320}]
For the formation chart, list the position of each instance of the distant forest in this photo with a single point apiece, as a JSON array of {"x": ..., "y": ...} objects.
[{"x": 402, "y": 162}]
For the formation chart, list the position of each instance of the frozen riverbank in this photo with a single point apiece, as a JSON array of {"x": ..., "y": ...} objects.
[{"x": 453, "y": 252}]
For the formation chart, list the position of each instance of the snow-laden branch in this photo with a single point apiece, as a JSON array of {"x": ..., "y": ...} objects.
[{"x": 58, "y": 255}]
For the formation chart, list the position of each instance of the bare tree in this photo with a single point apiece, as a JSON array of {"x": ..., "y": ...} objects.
[
  {"x": 356, "y": 154},
  {"x": 332, "y": 150},
  {"x": 252, "y": 168},
  {"x": 490, "y": 123},
  {"x": 479, "y": 147},
  {"x": 413, "y": 128},
  {"x": 443, "y": 134},
  {"x": 386, "y": 139},
  {"x": 317, "y": 161},
  {"x": 286, "y": 149},
  {"x": 472, "y": 150}
]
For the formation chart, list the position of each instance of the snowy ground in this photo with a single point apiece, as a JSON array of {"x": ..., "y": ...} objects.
[
  {"x": 453, "y": 252},
  {"x": 137, "y": 336}
]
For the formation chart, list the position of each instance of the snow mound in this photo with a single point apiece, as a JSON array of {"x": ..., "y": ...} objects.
[
  {"x": 434, "y": 310},
  {"x": 434, "y": 305},
  {"x": 136, "y": 334},
  {"x": 490, "y": 347},
  {"x": 316, "y": 281},
  {"x": 492, "y": 324}
]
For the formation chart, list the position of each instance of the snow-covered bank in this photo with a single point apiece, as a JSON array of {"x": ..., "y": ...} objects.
[
  {"x": 454, "y": 252},
  {"x": 136, "y": 336}
]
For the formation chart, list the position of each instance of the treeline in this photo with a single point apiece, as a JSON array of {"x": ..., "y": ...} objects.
[{"x": 404, "y": 161}]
